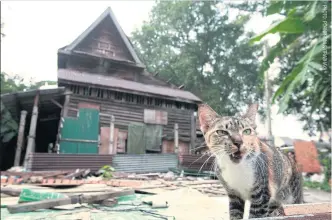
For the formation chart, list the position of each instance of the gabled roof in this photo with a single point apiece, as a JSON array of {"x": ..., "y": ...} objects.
[{"x": 107, "y": 13}]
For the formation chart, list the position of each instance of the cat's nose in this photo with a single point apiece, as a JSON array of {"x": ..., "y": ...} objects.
[{"x": 237, "y": 140}]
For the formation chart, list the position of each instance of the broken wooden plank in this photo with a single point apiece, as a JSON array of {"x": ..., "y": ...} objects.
[
  {"x": 50, "y": 203},
  {"x": 215, "y": 192},
  {"x": 77, "y": 173},
  {"x": 10, "y": 191}
]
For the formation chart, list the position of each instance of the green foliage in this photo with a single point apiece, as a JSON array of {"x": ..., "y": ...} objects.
[
  {"x": 326, "y": 162},
  {"x": 8, "y": 126},
  {"x": 304, "y": 53},
  {"x": 316, "y": 185},
  {"x": 107, "y": 171},
  {"x": 196, "y": 45},
  {"x": 11, "y": 84},
  {"x": 16, "y": 83}
]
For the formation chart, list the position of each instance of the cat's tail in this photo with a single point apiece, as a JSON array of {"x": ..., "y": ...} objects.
[{"x": 297, "y": 187}]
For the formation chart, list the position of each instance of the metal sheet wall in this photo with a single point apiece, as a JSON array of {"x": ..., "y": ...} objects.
[
  {"x": 144, "y": 163},
  {"x": 196, "y": 162},
  {"x": 46, "y": 161}
]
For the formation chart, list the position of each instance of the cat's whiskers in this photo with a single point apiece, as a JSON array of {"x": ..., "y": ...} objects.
[
  {"x": 205, "y": 162},
  {"x": 199, "y": 158}
]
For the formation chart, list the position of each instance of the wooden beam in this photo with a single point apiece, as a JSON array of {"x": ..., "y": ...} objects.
[
  {"x": 66, "y": 105},
  {"x": 56, "y": 103},
  {"x": 77, "y": 173},
  {"x": 176, "y": 138},
  {"x": 20, "y": 138},
  {"x": 50, "y": 203},
  {"x": 111, "y": 149},
  {"x": 192, "y": 131},
  {"x": 32, "y": 132},
  {"x": 64, "y": 112}
]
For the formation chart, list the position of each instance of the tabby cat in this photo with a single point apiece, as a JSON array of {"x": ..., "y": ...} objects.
[{"x": 248, "y": 168}]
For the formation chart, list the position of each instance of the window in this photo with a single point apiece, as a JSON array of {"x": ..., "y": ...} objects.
[
  {"x": 169, "y": 104},
  {"x": 118, "y": 95},
  {"x": 149, "y": 101},
  {"x": 178, "y": 105},
  {"x": 140, "y": 99},
  {"x": 129, "y": 97},
  {"x": 159, "y": 102}
]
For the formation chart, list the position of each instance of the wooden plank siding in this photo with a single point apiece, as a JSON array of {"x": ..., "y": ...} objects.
[
  {"x": 105, "y": 41},
  {"x": 126, "y": 112}
]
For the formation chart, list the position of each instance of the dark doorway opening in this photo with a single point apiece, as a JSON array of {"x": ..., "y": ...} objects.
[{"x": 47, "y": 130}]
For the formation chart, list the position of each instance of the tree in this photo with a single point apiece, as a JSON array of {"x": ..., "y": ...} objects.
[
  {"x": 16, "y": 83},
  {"x": 196, "y": 45},
  {"x": 8, "y": 126},
  {"x": 304, "y": 84}
]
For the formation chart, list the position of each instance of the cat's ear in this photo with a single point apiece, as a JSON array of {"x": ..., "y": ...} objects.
[
  {"x": 206, "y": 116},
  {"x": 252, "y": 112}
]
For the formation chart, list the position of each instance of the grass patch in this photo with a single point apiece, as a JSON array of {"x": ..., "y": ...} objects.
[{"x": 316, "y": 185}]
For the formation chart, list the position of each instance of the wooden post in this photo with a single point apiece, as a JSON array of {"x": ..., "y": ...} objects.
[
  {"x": 270, "y": 138},
  {"x": 176, "y": 138},
  {"x": 111, "y": 147},
  {"x": 66, "y": 104},
  {"x": 64, "y": 113},
  {"x": 193, "y": 132},
  {"x": 20, "y": 138},
  {"x": 32, "y": 131}
]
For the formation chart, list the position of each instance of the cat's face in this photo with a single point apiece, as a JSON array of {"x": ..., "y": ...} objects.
[{"x": 231, "y": 136}]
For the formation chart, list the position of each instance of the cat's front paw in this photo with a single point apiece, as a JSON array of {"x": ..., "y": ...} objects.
[{"x": 278, "y": 212}]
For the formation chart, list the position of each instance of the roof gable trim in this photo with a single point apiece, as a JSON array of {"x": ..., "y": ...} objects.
[{"x": 107, "y": 12}]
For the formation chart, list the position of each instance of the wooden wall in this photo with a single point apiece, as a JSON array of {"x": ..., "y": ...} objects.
[
  {"x": 126, "y": 113},
  {"x": 106, "y": 41}
]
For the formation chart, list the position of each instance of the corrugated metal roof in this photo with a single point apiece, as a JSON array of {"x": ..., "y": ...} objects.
[
  {"x": 84, "y": 77},
  {"x": 26, "y": 99},
  {"x": 144, "y": 163},
  {"x": 50, "y": 161}
]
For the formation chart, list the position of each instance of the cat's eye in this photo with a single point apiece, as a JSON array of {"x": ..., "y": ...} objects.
[
  {"x": 247, "y": 132},
  {"x": 222, "y": 132}
]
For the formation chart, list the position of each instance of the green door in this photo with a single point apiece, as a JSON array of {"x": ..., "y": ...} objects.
[{"x": 80, "y": 135}]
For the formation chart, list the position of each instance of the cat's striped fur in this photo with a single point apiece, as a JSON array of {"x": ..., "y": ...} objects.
[{"x": 248, "y": 168}]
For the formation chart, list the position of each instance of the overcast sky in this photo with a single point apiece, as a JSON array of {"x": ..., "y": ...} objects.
[{"x": 35, "y": 30}]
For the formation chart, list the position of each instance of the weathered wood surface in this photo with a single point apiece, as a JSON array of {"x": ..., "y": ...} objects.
[
  {"x": 75, "y": 174},
  {"x": 126, "y": 113},
  {"x": 50, "y": 203},
  {"x": 10, "y": 191}
]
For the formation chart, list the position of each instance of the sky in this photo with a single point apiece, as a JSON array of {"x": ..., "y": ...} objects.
[{"x": 35, "y": 30}]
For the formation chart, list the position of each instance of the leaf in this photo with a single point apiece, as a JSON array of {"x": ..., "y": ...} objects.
[
  {"x": 275, "y": 7},
  {"x": 290, "y": 77},
  {"x": 316, "y": 66},
  {"x": 295, "y": 78},
  {"x": 288, "y": 25},
  {"x": 311, "y": 13},
  {"x": 322, "y": 97},
  {"x": 8, "y": 136},
  {"x": 315, "y": 50}
]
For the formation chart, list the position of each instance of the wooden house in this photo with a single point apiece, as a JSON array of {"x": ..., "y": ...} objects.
[{"x": 131, "y": 109}]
